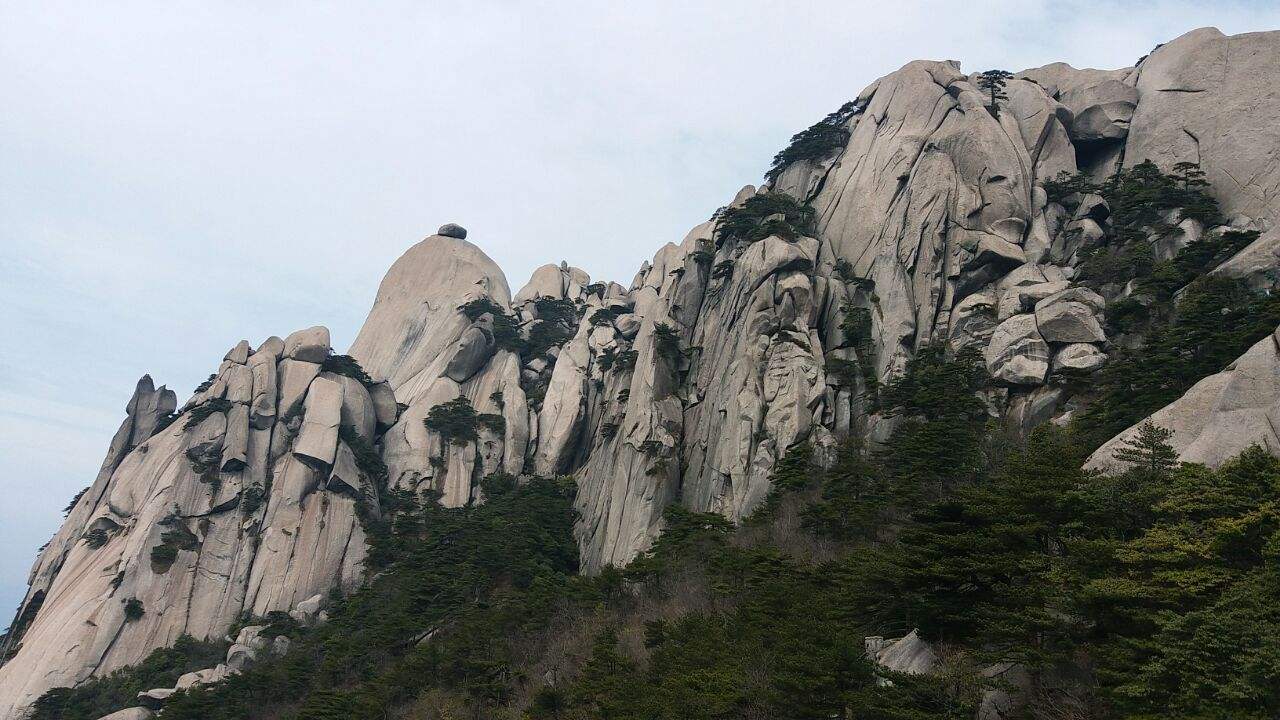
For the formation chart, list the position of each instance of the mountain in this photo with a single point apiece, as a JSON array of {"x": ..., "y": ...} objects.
[{"x": 1013, "y": 218}]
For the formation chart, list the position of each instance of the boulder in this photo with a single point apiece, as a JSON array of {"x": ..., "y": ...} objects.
[
  {"x": 472, "y": 351},
  {"x": 1068, "y": 322},
  {"x": 384, "y": 404},
  {"x": 1017, "y": 354},
  {"x": 273, "y": 346},
  {"x": 1079, "y": 356},
  {"x": 306, "y": 611},
  {"x": 1101, "y": 111},
  {"x": 294, "y": 379},
  {"x": 309, "y": 345},
  {"x": 1078, "y": 294},
  {"x": 452, "y": 230},
  {"x": 910, "y": 654},
  {"x": 238, "y": 354},
  {"x": 317, "y": 440},
  {"x": 546, "y": 282}
]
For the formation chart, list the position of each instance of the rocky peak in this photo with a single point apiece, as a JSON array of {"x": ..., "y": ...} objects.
[{"x": 938, "y": 219}]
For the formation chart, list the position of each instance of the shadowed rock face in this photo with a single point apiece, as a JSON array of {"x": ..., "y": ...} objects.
[{"x": 932, "y": 225}]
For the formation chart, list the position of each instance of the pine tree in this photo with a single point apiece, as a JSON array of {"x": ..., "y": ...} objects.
[
  {"x": 1149, "y": 450},
  {"x": 993, "y": 82}
]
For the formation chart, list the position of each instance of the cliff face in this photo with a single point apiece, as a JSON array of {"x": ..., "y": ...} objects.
[
  {"x": 247, "y": 502},
  {"x": 931, "y": 224}
]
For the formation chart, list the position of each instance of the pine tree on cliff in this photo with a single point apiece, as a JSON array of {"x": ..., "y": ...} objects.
[
  {"x": 1149, "y": 450},
  {"x": 993, "y": 82}
]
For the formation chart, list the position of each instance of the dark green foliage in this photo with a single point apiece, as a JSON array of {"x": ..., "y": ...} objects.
[
  {"x": 723, "y": 269},
  {"x": 1149, "y": 451},
  {"x": 494, "y": 423},
  {"x": 556, "y": 323},
  {"x": 208, "y": 383},
  {"x": 993, "y": 83},
  {"x": 667, "y": 343},
  {"x": 162, "y": 556},
  {"x": 506, "y": 329},
  {"x": 72, "y": 504},
  {"x": 1188, "y": 611},
  {"x": 1062, "y": 188},
  {"x": 96, "y": 538},
  {"x": 1217, "y": 319},
  {"x": 604, "y": 316},
  {"x": 625, "y": 361},
  {"x": 817, "y": 142},
  {"x": 252, "y": 498},
  {"x": 368, "y": 459},
  {"x": 104, "y": 695},
  {"x": 199, "y": 413},
  {"x": 855, "y": 500},
  {"x": 133, "y": 610},
  {"x": 163, "y": 421},
  {"x": 348, "y": 366},
  {"x": 173, "y": 538},
  {"x": 941, "y": 418},
  {"x": 476, "y": 577},
  {"x": 456, "y": 421},
  {"x": 765, "y": 214}
]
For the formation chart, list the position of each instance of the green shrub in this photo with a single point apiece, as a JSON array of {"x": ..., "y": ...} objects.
[
  {"x": 456, "y": 421},
  {"x": 757, "y": 218},
  {"x": 72, "y": 504},
  {"x": 96, "y": 538},
  {"x": 133, "y": 610},
  {"x": 102, "y": 695},
  {"x": 163, "y": 421},
  {"x": 506, "y": 329},
  {"x": 605, "y": 316},
  {"x": 667, "y": 342},
  {"x": 348, "y": 366},
  {"x": 199, "y": 413},
  {"x": 817, "y": 142},
  {"x": 1216, "y": 320},
  {"x": 208, "y": 383},
  {"x": 162, "y": 556}
]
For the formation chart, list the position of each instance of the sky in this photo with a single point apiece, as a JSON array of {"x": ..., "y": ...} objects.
[{"x": 176, "y": 176}]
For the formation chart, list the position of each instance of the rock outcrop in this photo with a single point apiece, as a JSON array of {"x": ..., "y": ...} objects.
[
  {"x": 1221, "y": 415},
  {"x": 228, "y": 508},
  {"x": 932, "y": 224}
]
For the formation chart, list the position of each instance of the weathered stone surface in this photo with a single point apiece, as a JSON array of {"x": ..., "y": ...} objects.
[
  {"x": 452, "y": 230},
  {"x": 309, "y": 345},
  {"x": 1101, "y": 111},
  {"x": 1208, "y": 98},
  {"x": 238, "y": 354},
  {"x": 384, "y": 404},
  {"x": 471, "y": 352},
  {"x": 1068, "y": 322},
  {"x": 415, "y": 318},
  {"x": 1017, "y": 353},
  {"x": 1221, "y": 415},
  {"x": 933, "y": 221},
  {"x": 1079, "y": 356},
  {"x": 318, "y": 439},
  {"x": 909, "y": 654},
  {"x": 547, "y": 281},
  {"x": 134, "y": 713}
]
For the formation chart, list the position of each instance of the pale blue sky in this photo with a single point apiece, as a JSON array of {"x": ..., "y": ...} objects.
[{"x": 177, "y": 176}]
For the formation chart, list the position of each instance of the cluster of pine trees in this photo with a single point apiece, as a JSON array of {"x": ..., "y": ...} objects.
[{"x": 1148, "y": 593}]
